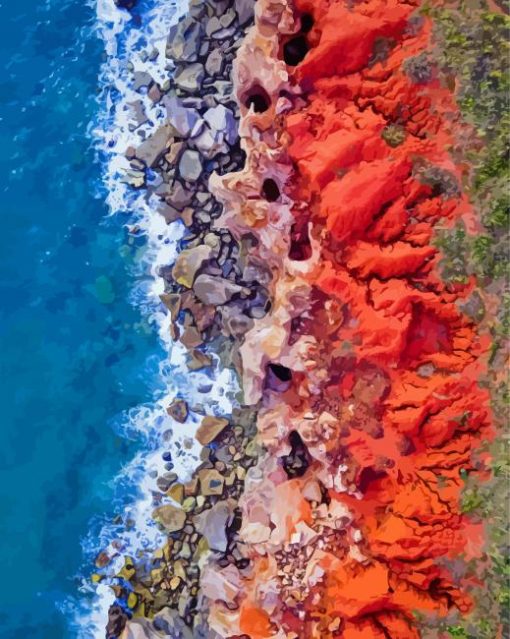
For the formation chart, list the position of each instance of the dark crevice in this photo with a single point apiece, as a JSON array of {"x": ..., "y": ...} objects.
[
  {"x": 295, "y": 50},
  {"x": 296, "y": 463},
  {"x": 258, "y": 98},
  {"x": 270, "y": 190},
  {"x": 307, "y": 22},
  {"x": 300, "y": 247},
  {"x": 278, "y": 378}
]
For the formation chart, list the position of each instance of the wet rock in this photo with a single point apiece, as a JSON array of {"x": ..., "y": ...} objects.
[
  {"x": 190, "y": 166},
  {"x": 142, "y": 80},
  {"x": 210, "y": 428},
  {"x": 183, "y": 119},
  {"x": 215, "y": 290},
  {"x": 168, "y": 212},
  {"x": 190, "y": 77},
  {"x": 151, "y": 150},
  {"x": 125, "y": 4},
  {"x": 198, "y": 360},
  {"x": 188, "y": 262},
  {"x": 134, "y": 178},
  {"x": 170, "y": 517},
  {"x": 212, "y": 524},
  {"x": 137, "y": 114},
  {"x": 211, "y": 482},
  {"x": 154, "y": 93},
  {"x": 165, "y": 481},
  {"x": 178, "y": 410},
  {"x": 117, "y": 619}
]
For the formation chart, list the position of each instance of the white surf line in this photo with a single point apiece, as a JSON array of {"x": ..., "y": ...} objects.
[{"x": 112, "y": 133}]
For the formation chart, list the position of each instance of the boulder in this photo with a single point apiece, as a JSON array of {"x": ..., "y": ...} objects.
[
  {"x": 244, "y": 10},
  {"x": 212, "y": 524},
  {"x": 178, "y": 410},
  {"x": 190, "y": 77},
  {"x": 188, "y": 262},
  {"x": 215, "y": 290},
  {"x": 183, "y": 119},
  {"x": 215, "y": 62},
  {"x": 154, "y": 147},
  {"x": 170, "y": 517},
  {"x": 184, "y": 40},
  {"x": 211, "y": 482},
  {"x": 190, "y": 166},
  {"x": 210, "y": 428}
]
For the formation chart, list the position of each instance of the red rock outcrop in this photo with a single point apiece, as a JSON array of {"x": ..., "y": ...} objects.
[{"x": 352, "y": 518}]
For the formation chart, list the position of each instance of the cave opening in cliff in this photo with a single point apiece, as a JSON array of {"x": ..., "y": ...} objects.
[
  {"x": 258, "y": 98},
  {"x": 278, "y": 377},
  {"x": 270, "y": 190},
  {"x": 296, "y": 463},
  {"x": 307, "y": 22},
  {"x": 295, "y": 50}
]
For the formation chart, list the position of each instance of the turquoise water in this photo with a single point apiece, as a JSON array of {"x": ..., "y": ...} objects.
[{"x": 75, "y": 354}]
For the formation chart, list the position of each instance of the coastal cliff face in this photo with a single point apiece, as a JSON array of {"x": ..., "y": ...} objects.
[{"x": 322, "y": 164}]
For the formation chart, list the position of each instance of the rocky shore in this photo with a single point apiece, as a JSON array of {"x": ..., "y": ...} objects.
[{"x": 314, "y": 167}]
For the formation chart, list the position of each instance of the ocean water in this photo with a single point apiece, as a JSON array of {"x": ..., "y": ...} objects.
[
  {"x": 87, "y": 364},
  {"x": 76, "y": 353}
]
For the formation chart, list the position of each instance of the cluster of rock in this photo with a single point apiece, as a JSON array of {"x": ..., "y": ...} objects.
[{"x": 214, "y": 291}]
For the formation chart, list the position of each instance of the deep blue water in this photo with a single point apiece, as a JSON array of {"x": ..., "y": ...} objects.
[{"x": 73, "y": 350}]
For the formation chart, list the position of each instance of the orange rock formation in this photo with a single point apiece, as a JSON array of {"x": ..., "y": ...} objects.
[{"x": 351, "y": 521}]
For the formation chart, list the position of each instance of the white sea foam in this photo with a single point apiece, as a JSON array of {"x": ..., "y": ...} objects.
[{"x": 124, "y": 43}]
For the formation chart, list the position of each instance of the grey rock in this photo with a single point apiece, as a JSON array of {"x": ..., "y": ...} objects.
[
  {"x": 190, "y": 77},
  {"x": 209, "y": 143},
  {"x": 189, "y": 262},
  {"x": 180, "y": 197},
  {"x": 134, "y": 178},
  {"x": 227, "y": 18},
  {"x": 155, "y": 146},
  {"x": 221, "y": 119},
  {"x": 244, "y": 9},
  {"x": 168, "y": 622},
  {"x": 184, "y": 40},
  {"x": 190, "y": 166},
  {"x": 223, "y": 88},
  {"x": 234, "y": 322},
  {"x": 220, "y": 6},
  {"x": 168, "y": 212},
  {"x": 215, "y": 62},
  {"x": 212, "y": 26},
  {"x": 215, "y": 290},
  {"x": 212, "y": 524},
  {"x": 222, "y": 34},
  {"x": 137, "y": 114},
  {"x": 182, "y": 118},
  {"x": 142, "y": 80}
]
